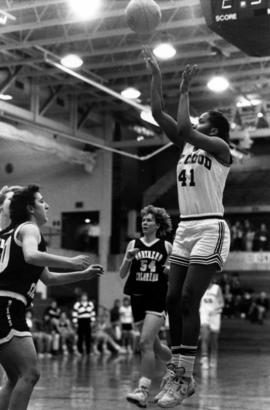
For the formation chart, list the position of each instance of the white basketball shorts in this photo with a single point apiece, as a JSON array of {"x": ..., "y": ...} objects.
[
  {"x": 212, "y": 321},
  {"x": 204, "y": 242}
]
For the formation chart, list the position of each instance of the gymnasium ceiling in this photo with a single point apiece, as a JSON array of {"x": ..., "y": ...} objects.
[{"x": 46, "y": 96}]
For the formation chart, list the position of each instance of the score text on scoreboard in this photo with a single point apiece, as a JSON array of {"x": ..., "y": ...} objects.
[{"x": 231, "y": 10}]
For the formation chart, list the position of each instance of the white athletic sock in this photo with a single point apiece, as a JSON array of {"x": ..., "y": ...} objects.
[{"x": 145, "y": 382}]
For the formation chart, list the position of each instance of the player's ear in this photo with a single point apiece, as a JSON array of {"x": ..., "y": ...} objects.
[
  {"x": 30, "y": 209},
  {"x": 213, "y": 132}
]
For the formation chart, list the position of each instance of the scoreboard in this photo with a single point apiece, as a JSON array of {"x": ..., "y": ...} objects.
[
  {"x": 226, "y": 10},
  {"x": 244, "y": 23}
]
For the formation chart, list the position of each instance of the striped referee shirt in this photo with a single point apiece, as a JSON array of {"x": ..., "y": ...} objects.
[{"x": 83, "y": 310}]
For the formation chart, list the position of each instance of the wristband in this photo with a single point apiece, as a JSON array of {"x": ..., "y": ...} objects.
[{"x": 128, "y": 259}]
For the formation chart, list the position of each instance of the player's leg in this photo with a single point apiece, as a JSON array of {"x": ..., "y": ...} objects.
[
  {"x": 9, "y": 381},
  {"x": 19, "y": 359},
  {"x": 162, "y": 350},
  {"x": 205, "y": 345},
  {"x": 149, "y": 332},
  {"x": 177, "y": 276},
  {"x": 196, "y": 282}
]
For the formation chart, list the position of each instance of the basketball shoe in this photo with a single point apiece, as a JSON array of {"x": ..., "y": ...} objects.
[
  {"x": 139, "y": 396},
  {"x": 166, "y": 381},
  {"x": 179, "y": 390}
]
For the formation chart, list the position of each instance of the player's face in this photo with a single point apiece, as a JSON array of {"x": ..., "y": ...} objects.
[
  {"x": 204, "y": 126},
  {"x": 149, "y": 225},
  {"x": 40, "y": 209}
]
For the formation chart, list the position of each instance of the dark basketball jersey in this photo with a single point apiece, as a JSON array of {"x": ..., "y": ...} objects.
[
  {"x": 16, "y": 276},
  {"x": 146, "y": 272}
]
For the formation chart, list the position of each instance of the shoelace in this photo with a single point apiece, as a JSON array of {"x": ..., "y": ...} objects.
[
  {"x": 169, "y": 375},
  {"x": 174, "y": 385}
]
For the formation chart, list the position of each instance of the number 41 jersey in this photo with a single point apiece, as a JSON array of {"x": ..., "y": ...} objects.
[
  {"x": 18, "y": 279},
  {"x": 146, "y": 272},
  {"x": 200, "y": 183}
]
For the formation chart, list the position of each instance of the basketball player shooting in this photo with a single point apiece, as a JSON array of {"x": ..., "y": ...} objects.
[{"x": 202, "y": 239}]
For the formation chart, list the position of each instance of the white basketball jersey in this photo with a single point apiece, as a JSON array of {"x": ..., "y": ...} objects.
[{"x": 200, "y": 183}]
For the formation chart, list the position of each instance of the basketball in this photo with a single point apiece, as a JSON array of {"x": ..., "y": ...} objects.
[{"x": 143, "y": 16}]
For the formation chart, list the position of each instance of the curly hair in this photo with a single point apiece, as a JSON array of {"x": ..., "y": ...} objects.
[
  {"x": 162, "y": 218},
  {"x": 19, "y": 203}
]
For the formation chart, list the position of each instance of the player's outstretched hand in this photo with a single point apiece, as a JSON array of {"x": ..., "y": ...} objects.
[
  {"x": 80, "y": 262},
  {"x": 187, "y": 75},
  {"x": 151, "y": 61},
  {"x": 132, "y": 252},
  {"x": 94, "y": 270}
]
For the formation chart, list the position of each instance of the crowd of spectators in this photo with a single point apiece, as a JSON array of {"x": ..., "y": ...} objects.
[
  {"x": 84, "y": 329},
  {"x": 243, "y": 302},
  {"x": 246, "y": 236}
]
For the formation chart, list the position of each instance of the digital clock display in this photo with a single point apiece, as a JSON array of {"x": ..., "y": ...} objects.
[{"x": 230, "y": 10}]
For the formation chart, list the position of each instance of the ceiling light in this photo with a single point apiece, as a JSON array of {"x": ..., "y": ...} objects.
[
  {"x": 131, "y": 93},
  {"x": 87, "y": 220},
  {"x": 146, "y": 115},
  {"x": 85, "y": 9},
  {"x": 140, "y": 138},
  {"x": 218, "y": 84},
  {"x": 164, "y": 51},
  {"x": 71, "y": 61},
  {"x": 5, "y": 97},
  {"x": 247, "y": 101}
]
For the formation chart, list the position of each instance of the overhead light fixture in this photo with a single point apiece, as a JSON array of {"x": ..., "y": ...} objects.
[
  {"x": 146, "y": 115},
  {"x": 247, "y": 101},
  {"x": 5, "y": 97},
  {"x": 131, "y": 93},
  {"x": 140, "y": 138},
  {"x": 4, "y": 16},
  {"x": 164, "y": 51},
  {"x": 85, "y": 9},
  {"x": 71, "y": 61},
  {"x": 218, "y": 84}
]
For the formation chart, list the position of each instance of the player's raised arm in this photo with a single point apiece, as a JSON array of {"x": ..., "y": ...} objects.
[
  {"x": 205, "y": 136},
  {"x": 164, "y": 120}
]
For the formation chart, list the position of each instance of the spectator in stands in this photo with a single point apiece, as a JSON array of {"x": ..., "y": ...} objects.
[
  {"x": 229, "y": 307},
  {"x": 235, "y": 285},
  {"x": 262, "y": 238},
  {"x": 66, "y": 332},
  {"x": 126, "y": 319},
  {"x": 102, "y": 337},
  {"x": 53, "y": 310},
  {"x": 237, "y": 237},
  {"x": 51, "y": 337},
  {"x": 115, "y": 320},
  {"x": 259, "y": 308},
  {"x": 249, "y": 235},
  {"x": 224, "y": 283},
  {"x": 35, "y": 328},
  {"x": 245, "y": 304},
  {"x": 83, "y": 316}
]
